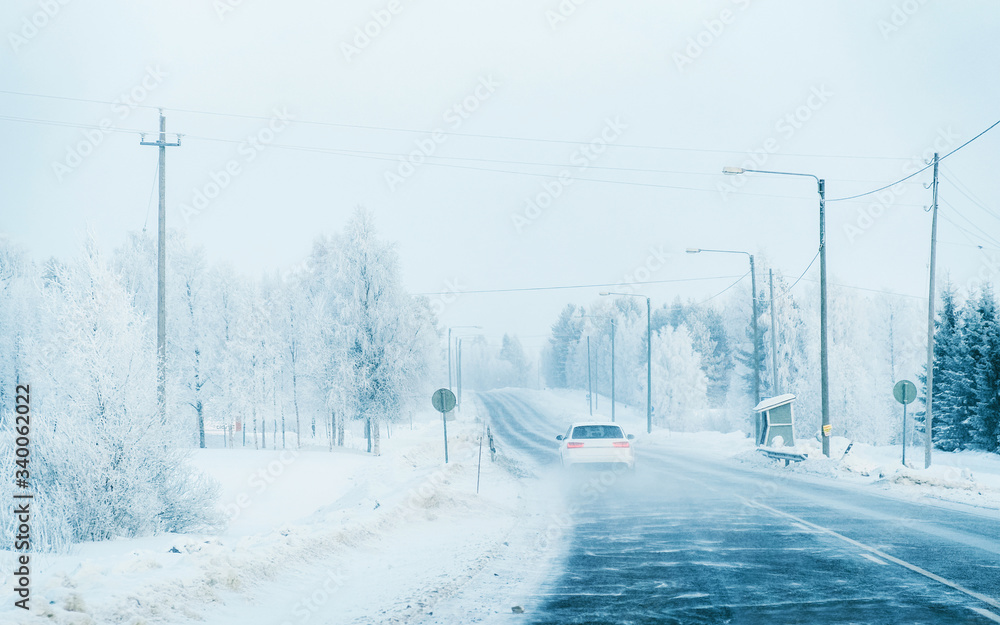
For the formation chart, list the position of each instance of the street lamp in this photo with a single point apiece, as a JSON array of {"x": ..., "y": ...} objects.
[
  {"x": 649, "y": 357},
  {"x": 823, "y": 348},
  {"x": 450, "y": 328},
  {"x": 612, "y": 320},
  {"x": 458, "y": 367},
  {"x": 756, "y": 332}
]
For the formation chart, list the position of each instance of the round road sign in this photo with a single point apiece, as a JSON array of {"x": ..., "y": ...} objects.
[
  {"x": 443, "y": 400},
  {"x": 904, "y": 391}
]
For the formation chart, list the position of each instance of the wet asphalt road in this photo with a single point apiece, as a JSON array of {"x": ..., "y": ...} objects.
[{"x": 685, "y": 540}]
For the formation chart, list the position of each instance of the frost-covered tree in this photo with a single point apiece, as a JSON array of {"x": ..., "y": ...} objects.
[
  {"x": 380, "y": 329},
  {"x": 192, "y": 349},
  {"x": 512, "y": 353},
  {"x": 105, "y": 463},
  {"x": 324, "y": 364},
  {"x": 566, "y": 332},
  {"x": 18, "y": 301},
  {"x": 710, "y": 339},
  {"x": 293, "y": 310},
  {"x": 232, "y": 401},
  {"x": 745, "y": 352},
  {"x": 983, "y": 339},
  {"x": 680, "y": 386},
  {"x": 486, "y": 365}
]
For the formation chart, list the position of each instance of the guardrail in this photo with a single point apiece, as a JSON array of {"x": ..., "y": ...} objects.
[{"x": 782, "y": 455}]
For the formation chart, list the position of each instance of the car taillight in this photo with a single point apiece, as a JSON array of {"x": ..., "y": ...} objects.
[
  {"x": 620, "y": 444},
  {"x": 574, "y": 445}
]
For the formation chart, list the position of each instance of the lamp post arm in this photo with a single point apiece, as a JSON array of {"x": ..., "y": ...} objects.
[{"x": 782, "y": 173}]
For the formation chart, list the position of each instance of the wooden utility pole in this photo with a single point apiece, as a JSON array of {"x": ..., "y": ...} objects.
[
  {"x": 161, "y": 268},
  {"x": 928, "y": 442},
  {"x": 774, "y": 338},
  {"x": 824, "y": 350},
  {"x": 612, "y": 369},
  {"x": 756, "y": 334},
  {"x": 590, "y": 391}
]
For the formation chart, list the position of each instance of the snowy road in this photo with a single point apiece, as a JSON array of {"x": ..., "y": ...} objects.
[{"x": 692, "y": 540}]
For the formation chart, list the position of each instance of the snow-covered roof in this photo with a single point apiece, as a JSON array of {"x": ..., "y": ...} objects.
[{"x": 774, "y": 402}]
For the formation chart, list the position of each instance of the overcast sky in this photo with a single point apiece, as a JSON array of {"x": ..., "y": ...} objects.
[{"x": 511, "y": 144}]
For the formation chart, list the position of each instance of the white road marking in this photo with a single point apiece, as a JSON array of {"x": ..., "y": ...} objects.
[
  {"x": 869, "y": 556},
  {"x": 916, "y": 569},
  {"x": 984, "y": 612}
]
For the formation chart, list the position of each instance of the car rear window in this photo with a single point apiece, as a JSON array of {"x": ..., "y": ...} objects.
[{"x": 597, "y": 431}]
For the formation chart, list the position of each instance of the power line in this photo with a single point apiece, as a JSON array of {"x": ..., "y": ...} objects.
[
  {"x": 454, "y": 134},
  {"x": 922, "y": 298},
  {"x": 973, "y": 245},
  {"x": 924, "y": 168},
  {"x": 738, "y": 280},
  {"x": 575, "y": 286},
  {"x": 961, "y": 188},
  {"x": 394, "y": 157},
  {"x": 985, "y": 235},
  {"x": 968, "y": 235},
  {"x": 50, "y": 122},
  {"x": 801, "y": 275},
  {"x": 59, "y": 97}
]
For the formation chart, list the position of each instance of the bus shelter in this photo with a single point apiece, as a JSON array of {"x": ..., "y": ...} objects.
[{"x": 775, "y": 417}]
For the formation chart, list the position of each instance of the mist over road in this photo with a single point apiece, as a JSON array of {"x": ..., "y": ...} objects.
[{"x": 688, "y": 539}]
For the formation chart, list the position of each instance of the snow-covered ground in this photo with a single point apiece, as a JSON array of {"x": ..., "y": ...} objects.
[
  {"x": 339, "y": 535},
  {"x": 966, "y": 477},
  {"x": 345, "y": 537}
]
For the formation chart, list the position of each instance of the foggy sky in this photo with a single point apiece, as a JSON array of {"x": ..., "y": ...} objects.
[{"x": 855, "y": 92}]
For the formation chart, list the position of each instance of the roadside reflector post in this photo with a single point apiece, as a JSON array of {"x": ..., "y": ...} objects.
[{"x": 479, "y": 471}]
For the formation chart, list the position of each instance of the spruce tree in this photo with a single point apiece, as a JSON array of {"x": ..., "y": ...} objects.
[
  {"x": 950, "y": 376},
  {"x": 985, "y": 421},
  {"x": 566, "y": 333}
]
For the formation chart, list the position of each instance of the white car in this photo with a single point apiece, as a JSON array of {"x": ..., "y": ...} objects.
[{"x": 596, "y": 443}]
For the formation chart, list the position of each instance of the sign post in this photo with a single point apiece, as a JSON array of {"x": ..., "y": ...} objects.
[
  {"x": 443, "y": 401},
  {"x": 904, "y": 392}
]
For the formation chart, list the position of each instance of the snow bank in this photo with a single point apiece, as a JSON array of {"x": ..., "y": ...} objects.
[
  {"x": 342, "y": 535},
  {"x": 965, "y": 477}
]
